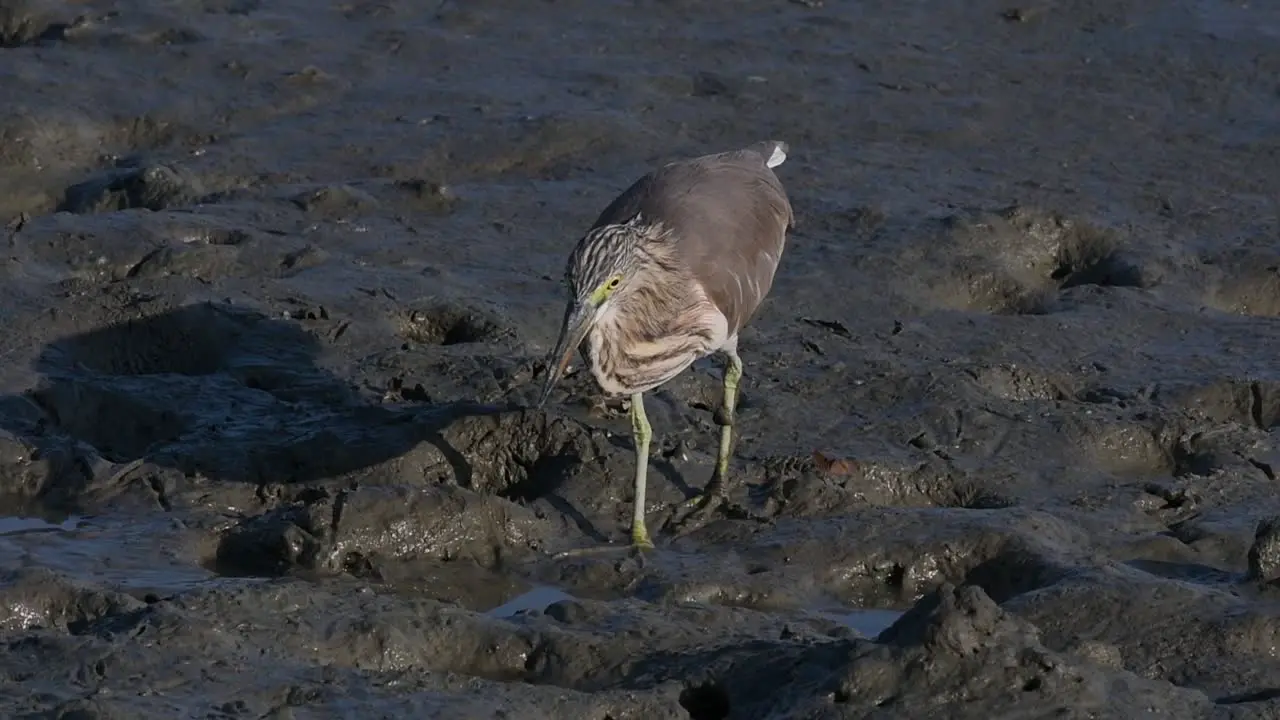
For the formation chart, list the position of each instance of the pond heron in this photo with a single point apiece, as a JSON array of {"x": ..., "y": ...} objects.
[{"x": 669, "y": 273}]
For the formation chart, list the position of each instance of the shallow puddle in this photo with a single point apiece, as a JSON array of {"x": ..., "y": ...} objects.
[
  {"x": 869, "y": 622},
  {"x": 13, "y": 525},
  {"x": 539, "y": 598},
  {"x": 134, "y": 558}
]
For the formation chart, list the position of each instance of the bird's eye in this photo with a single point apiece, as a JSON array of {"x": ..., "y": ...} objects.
[{"x": 605, "y": 289}]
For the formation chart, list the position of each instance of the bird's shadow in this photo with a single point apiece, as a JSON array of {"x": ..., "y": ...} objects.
[{"x": 212, "y": 390}]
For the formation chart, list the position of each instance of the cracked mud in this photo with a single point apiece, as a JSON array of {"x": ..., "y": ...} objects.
[{"x": 279, "y": 279}]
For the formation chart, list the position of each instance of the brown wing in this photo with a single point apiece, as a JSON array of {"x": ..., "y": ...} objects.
[{"x": 728, "y": 214}]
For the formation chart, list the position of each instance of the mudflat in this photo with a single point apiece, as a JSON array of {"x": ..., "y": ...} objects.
[{"x": 279, "y": 280}]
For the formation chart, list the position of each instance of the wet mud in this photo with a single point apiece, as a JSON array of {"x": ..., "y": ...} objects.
[{"x": 279, "y": 279}]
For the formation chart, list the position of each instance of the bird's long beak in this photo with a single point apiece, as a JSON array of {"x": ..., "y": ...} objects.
[{"x": 576, "y": 323}]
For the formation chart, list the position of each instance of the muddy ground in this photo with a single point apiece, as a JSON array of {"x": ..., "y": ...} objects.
[{"x": 279, "y": 279}]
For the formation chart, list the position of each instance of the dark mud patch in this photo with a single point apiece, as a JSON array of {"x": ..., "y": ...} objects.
[
  {"x": 358, "y": 531},
  {"x": 33, "y": 23},
  {"x": 450, "y": 323},
  {"x": 1020, "y": 259},
  {"x": 280, "y": 281},
  {"x": 1244, "y": 280},
  {"x": 808, "y": 487},
  {"x": 154, "y": 187},
  {"x": 338, "y": 201}
]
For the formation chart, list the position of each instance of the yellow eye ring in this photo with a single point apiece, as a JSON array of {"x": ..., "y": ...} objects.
[{"x": 614, "y": 283}]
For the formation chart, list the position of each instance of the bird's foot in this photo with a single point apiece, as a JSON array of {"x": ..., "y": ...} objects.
[
  {"x": 631, "y": 550},
  {"x": 701, "y": 507},
  {"x": 640, "y": 538},
  {"x": 704, "y": 506},
  {"x": 640, "y": 543}
]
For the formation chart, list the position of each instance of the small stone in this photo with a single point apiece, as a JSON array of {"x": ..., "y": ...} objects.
[
  {"x": 1264, "y": 555},
  {"x": 565, "y": 611},
  {"x": 1099, "y": 653}
]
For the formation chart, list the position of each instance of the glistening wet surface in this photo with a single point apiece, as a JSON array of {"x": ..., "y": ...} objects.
[
  {"x": 133, "y": 558},
  {"x": 279, "y": 279},
  {"x": 16, "y": 525},
  {"x": 539, "y": 598},
  {"x": 869, "y": 623}
]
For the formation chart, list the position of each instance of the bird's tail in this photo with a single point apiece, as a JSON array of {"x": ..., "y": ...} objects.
[{"x": 774, "y": 152}]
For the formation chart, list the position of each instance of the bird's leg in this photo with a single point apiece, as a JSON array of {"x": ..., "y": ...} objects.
[
  {"x": 724, "y": 418},
  {"x": 716, "y": 492},
  {"x": 641, "y": 433}
]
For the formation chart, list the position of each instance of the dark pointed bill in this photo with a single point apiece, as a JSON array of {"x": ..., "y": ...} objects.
[{"x": 576, "y": 323}]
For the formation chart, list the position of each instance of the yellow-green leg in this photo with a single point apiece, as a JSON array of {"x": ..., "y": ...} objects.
[
  {"x": 732, "y": 376},
  {"x": 715, "y": 494},
  {"x": 642, "y": 434}
]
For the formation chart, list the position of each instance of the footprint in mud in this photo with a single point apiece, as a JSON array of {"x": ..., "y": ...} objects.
[
  {"x": 450, "y": 323},
  {"x": 1018, "y": 260}
]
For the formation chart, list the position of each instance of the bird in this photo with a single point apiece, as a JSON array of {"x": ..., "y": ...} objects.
[{"x": 670, "y": 272}]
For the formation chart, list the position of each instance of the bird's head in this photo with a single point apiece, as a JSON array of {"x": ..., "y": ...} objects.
[{"x": 601, "y": 270}]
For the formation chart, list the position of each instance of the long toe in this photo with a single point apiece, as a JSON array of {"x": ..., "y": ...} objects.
[
  {"x": 715, "y": 489},
  {"x": 703, "y": 510},
  {"x": 639, "y": 544}
]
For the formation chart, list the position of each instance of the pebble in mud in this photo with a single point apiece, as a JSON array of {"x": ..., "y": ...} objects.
[{"x": 1264, "y": 554}]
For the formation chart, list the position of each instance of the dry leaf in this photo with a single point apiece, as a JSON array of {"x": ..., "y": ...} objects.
[{"x": 834, "y": 465}]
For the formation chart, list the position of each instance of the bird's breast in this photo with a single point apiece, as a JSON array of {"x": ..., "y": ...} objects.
[{"x": 625, "y": 361}]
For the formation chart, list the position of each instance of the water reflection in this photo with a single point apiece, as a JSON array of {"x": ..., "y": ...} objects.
[{"x": 867, "y": 622}]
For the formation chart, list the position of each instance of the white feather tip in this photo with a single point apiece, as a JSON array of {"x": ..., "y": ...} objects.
[{"x": 778, "y": 156}]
